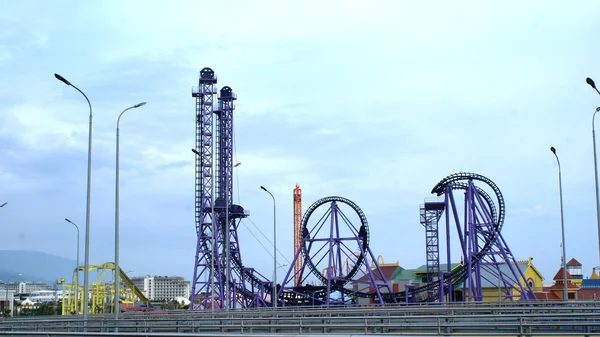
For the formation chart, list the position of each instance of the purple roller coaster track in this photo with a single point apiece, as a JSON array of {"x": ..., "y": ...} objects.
[
  {"x": 341, "y": 248},
  {"x": 486, "y": 255},
  {"x": 338, "y": 266}
]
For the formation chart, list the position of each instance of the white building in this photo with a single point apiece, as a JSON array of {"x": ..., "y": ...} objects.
[
  {"x": 30, "y": 287},
  {"x": 6, "y": 298},
  {"x": 25, "y": 287},
  {"x": 162, "y": 287},
  {"x": 45, "y": 296}
]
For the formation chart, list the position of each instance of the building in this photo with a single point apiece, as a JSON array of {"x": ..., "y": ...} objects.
[
  {"x": 138, "y": 282},
  {"x": 157, "y": 288},
  {"x": 12, "y": 287},
  {"x": 574, "y": 269},
  {"x": 590, "y": 288},
  {"x": 578, "y": 288},
  {"x": 39, "y": 296},
  {"x": 25, "y": 287},
  {"x": 387, "y": 269},
  {"x": 31, "y": 287},
  {"x": 6, "y": 299},
  {"x": 492, "y": 291}
]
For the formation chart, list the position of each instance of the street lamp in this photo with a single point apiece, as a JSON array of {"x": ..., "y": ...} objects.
[
  {"x": 87, "y": 207},
  {"x": 562, "y": 226},
  {"x": 274, "y": 296},
  {"x": 76, "y": 269},
  {"x": 12, "y": 299},
  {"x": 116, "y": 299},
  {"x": 4, "y": 204},
  {"x": 593, "y": 85}
]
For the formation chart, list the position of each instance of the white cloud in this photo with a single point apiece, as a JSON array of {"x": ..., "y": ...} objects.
[
  {"x": 43, "y": 127},
  {"x": 5, "y": 55},
  {"x": 262, "y": 164},
  {"x": 374, "y": 101}
]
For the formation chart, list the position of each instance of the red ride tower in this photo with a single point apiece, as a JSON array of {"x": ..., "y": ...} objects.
[{"x": 297, "y": 229}]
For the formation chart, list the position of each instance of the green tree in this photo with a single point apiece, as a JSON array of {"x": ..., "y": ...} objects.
[{"x": 172, "y": 305}]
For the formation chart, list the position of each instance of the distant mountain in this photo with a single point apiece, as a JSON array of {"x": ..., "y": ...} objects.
[{"x": 34, "y": 266}]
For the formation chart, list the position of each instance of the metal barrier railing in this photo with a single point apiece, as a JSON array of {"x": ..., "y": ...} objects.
[{"x": 481, "y": 320}]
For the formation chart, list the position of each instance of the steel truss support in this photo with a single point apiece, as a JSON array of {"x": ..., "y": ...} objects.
[
  {"x": 203, "y": 272},
  {"x": 487, "y": 258}
]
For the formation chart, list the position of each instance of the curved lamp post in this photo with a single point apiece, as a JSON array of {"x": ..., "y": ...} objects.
[
  {"x": 562, "y": 227},
  {"x": 76, "y": 269},
  {"x": 116, "y": 306},
  {"x": 6, "y": 296},
  {"x": 87, "y": 207},
  {"x": 274, "y": 296},
  {"x": 593, "y": 85}
]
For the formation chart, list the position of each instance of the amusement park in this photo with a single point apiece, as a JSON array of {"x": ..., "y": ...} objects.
[
  {"x": 333, "y": 263},
  {"x": 277, "y": 168},
  {"x": 467, "y": 258}
]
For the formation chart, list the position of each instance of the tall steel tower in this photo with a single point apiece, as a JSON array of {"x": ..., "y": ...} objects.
[
  {"x": 227, "y": 214},
  {"x": 297, "y": 231},
  {"x": 205, "y": 230},
  {"x": 218, "y": 268}
]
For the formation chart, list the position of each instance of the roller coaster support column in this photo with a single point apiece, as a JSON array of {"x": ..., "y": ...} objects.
[
  {"x": 203, "y": 284},
  {"x": 450, "y": 205},
  {"x": 562, "y": 227},
  {"x": 227, "y": 247}
]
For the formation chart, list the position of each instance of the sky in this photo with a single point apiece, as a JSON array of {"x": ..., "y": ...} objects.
[{"x": 372, "y": 101}]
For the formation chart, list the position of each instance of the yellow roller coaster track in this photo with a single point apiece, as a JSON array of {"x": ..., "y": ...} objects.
[{"x": 101, "y": 292}]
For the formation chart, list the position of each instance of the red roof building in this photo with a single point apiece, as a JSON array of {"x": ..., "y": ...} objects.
[
  {"x": 559, "y": 277},
  {"x": 574, "y": 283},
  {"x": 574, "y": 268}
]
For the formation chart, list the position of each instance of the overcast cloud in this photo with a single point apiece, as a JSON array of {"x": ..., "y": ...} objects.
[{"x": 374, "y": 101}]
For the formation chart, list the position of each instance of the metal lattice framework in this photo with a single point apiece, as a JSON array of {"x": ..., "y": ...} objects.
[
  {"x": 204, "y": 95},
  {"x": 430, "y": 214},
  {"x": 487, "y": 257},
  {"x": 223, "y": 188},
  {"x": 334, "y": 243},
  {"x": 340, "y": 247},
  {"x": 297, "y": 230},
  {"x": 218, "y": 246},
  {"x": 241, "y": 282}
]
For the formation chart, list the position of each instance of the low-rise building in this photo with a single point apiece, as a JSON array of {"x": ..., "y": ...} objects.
[
  {"x": 6, "y": 299},
  {"x": 578, "y": 288}
]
